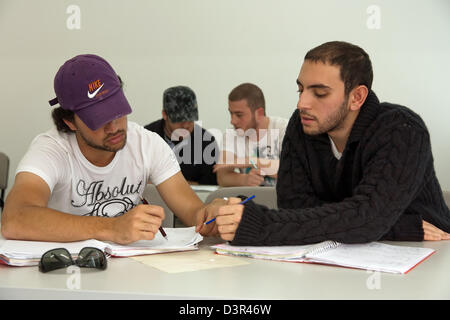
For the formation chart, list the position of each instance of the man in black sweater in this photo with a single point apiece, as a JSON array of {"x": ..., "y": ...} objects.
[
  {"x": 352, "y": 169},
  {"x": 195, "y": 148}
]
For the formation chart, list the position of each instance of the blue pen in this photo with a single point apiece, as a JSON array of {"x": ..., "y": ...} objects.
[{"x": 242, "y": 202}]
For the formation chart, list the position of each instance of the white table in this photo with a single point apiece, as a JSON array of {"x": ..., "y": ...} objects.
[{"x": 128, "y": 279}]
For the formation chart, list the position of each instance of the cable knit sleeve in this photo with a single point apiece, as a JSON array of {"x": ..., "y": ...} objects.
[{"x": 396, "y": 162}]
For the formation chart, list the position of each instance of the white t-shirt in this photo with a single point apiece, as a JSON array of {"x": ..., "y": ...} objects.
[
  {"x": 267, "y": 147},
  {"x": 336, "y": 153},
  {"x": 79, "y": 187}
]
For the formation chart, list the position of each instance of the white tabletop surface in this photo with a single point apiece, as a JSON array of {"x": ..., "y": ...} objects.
[{"x": 126, "y": 278}]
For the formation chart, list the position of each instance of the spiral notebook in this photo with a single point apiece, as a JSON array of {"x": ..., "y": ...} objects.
[
  {"x": 373, "y": 256},
  {"x": 28, "y": 253}
]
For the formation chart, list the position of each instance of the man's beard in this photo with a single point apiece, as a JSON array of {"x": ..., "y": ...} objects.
[
  {"x": 251, "y": 129},
  {"x": 104, "y": 146},
  {"x": 332, "y": 122}
]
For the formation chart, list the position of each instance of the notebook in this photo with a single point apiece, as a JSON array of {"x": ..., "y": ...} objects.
[
  {"x": 373, "y": 256},
  {"x": 28, "y": 253},
  {"x": 204, "y": 188}
]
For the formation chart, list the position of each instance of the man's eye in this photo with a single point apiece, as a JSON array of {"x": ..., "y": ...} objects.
[{"x": 320, "y": 95}]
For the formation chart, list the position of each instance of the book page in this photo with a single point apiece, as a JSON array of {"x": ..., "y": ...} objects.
[
  {"x": 178, "y": 238},
  {"x": 374, "y": 256},
  {"x": 270, "y": 251},
  {"x": 35, "y": 249}
]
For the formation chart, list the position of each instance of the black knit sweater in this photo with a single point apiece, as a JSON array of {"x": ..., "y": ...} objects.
[
  {"x": 197, "y": 169},
  {"x": 382, "y": 188}
]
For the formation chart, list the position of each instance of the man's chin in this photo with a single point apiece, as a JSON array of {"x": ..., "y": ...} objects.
[
  {"x": 240, "y": 132},
  {"x": 115, "y": 147},
  {"x": 311, "y": 131}
]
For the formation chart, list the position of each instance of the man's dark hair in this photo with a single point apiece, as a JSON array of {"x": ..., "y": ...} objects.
[
  {"x": 59, "y": 114},
  {"x": 353, "y": 61},
  {"x": 250, "y": 92}
]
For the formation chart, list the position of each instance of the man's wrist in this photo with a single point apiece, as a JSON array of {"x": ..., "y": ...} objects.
[
  {"x": 243, "y": 179},
  {"x": 104, "y": 229}
]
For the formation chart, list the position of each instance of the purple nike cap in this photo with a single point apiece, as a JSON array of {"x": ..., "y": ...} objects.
[{"x": 89, "y": 86}]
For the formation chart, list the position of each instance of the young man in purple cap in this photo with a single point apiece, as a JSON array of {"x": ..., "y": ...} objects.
[
  {"x": 352, "y": 169},
  {"x": 95, "y": 164}
]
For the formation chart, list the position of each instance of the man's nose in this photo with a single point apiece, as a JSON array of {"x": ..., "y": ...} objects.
[
  {"x": 111, "y": 126},
  {"x": 187, "y": 125},
  {"x": 304, "y": 102},
  {"x": 233, "y": 120}
]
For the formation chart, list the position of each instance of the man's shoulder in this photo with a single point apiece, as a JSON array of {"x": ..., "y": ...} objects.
[
  {"x": 207, "y": 134},
  {"x": 136, "y": 130},
  {"x": 276, "y": 122},
  {"x": 53, "y": 139},
  {"x": 143, "y": 142},
  {"x": 154, "y": 126},
  {"x": 394, "y": 114},
  {"x": 49, "y": 154},
  {"x": 232, "y": 133}
]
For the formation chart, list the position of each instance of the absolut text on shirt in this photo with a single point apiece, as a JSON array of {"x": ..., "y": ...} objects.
[{"x": 95, "y": 192}]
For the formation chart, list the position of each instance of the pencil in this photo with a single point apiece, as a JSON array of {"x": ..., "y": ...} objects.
[
  {"x": 253, "y": 164},
  {"x": 160, "y": 228},
  {"x": 242, "y": 202}
]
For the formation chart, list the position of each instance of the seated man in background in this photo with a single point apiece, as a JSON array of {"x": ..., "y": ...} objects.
[
  {"x": 254, "y": 146},
  {"x": 84, "y": 178},
  {"x": 352, "y": 169},
  {"x": 196, "y": 149}
]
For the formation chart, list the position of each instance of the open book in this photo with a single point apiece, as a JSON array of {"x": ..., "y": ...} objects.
[
  {"x": 28, "y": 253},
  {"x": 370, "y": 256}
]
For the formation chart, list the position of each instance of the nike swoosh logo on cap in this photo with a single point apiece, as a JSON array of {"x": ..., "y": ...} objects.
[{"x": 93, "y": 94}]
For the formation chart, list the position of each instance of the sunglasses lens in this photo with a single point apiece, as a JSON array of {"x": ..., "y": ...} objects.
[
  {"x": 55, "y": 259},
  {"x": 91, "y": 258}
]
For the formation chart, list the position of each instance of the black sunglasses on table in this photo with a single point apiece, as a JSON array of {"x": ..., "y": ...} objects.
[{"x": 60, "y": 258}]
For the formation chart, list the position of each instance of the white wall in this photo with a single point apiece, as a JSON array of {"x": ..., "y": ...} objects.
[{"x": 212, "y": 46}]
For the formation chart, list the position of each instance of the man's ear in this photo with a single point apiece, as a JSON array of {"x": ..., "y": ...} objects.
[
  {"x": 70, "y": 125},
  {"x": 259, "y": 113},
  {"x": 164, "y": 115},
  {"x": 357, "y": 97}
]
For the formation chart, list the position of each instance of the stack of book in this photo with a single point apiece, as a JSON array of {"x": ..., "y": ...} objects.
[
  {"x": 28, "y": 253},
  {"x": 373, "y": 256}
]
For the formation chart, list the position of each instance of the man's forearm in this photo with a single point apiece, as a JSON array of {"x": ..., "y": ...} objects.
[
  {"x": 227, "y": 178},
  {"x": 44, "y": 224}
]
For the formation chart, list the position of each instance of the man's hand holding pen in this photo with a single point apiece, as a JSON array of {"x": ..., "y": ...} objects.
[
  {"x": 228, "y": 218},
  {"x": 224, "y": 218},
  {"x": 140, "y": 223},
  {"x": 207, "y": 213}
]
